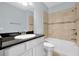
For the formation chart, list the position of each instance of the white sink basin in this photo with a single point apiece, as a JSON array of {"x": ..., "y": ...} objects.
[{"x": 25, "y": 36}]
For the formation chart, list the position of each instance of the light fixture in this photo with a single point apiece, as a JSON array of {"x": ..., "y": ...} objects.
[{"x": 25, "y": 3}]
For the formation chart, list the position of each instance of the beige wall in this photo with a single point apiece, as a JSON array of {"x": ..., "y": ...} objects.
[
  {"x": 77, "y": 22},
  {"x": 77, "y": 27},
  {"x": 61, "y": 23},
  {"x": 30, "y": 19},
  {"x": 62, "y": 16},
  {"x": 62, "y": 31},
  {"x": 45, "y": 18}
]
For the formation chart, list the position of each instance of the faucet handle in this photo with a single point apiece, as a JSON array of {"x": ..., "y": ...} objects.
[{"x": 23, "y": 32}]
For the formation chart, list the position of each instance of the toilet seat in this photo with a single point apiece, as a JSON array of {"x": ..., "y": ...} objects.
[
  {"x": 49, "y": 48},
  {"x": 47, "y": 44}
]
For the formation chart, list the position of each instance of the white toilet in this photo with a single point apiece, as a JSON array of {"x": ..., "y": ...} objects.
[{"x": 49, "y": 48}]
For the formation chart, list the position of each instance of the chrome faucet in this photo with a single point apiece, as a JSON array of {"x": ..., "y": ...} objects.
[{"x": 23, "y": 32}]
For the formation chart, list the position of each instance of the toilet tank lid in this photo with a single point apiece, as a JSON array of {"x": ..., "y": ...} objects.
[{"x": 47, "y": 44}]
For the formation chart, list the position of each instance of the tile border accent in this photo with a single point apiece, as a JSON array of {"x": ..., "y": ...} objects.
[{"x": 62, "y": 22}]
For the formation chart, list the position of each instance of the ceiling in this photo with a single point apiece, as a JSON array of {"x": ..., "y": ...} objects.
[
  {"x": 51, "y": 4},
  {"x": 48, "y": 4},
  {"x": 21, "y": 6}
]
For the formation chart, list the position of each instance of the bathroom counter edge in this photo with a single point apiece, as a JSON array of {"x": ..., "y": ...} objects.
[{"x": 22, "y": 41}]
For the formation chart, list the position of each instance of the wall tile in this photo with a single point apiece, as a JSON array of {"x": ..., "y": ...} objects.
[
  {"x": 45, "y": 18},
  {"x": 62, "y": 16},
  {"x": 30, "y": 19}
]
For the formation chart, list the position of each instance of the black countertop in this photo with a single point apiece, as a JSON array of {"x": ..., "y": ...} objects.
[{"x": 10, "y": 41}]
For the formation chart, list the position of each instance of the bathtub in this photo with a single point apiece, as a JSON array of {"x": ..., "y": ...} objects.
[{"x": 64, "y": 47}]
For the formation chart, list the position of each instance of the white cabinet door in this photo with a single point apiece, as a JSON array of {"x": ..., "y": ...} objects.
[
  {"x": 1, "y": 52},
  {"x": 16, "y": 50},
  {"x": 31, "y": 48},
  {"x": 28, "y": 53},
  {"x": 38, "y": 50},
  {"x": 37, "y": 46},
  {"x": 34, "y": 43}
]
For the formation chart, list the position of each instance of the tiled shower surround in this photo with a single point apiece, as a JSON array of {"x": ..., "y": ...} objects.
[{"x": 63, "y": 24}]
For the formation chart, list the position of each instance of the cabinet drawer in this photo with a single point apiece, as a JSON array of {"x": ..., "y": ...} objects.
[
  {"x": 15, "y": 50},
  {"x": 1, "y": 52},
  {"x": 33, "y": 43}
]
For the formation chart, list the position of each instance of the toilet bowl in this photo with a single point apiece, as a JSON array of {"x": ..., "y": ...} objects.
[{"x": 49, "y": 48}]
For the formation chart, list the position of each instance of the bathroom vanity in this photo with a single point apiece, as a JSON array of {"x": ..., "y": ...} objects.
[
  {"x": 15, "y": 19},
  {"x": 22, "y": 47}
]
